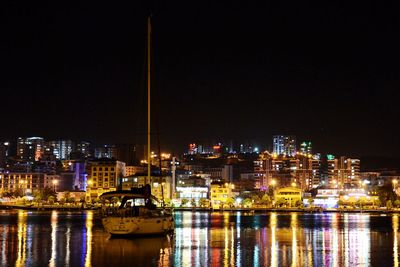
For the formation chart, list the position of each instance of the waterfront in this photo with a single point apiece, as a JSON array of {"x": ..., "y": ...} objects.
[{"x": 55, "y": 238}]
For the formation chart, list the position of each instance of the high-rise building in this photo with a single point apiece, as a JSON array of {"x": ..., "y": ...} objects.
[
  {"x": 303, "y": 171},
  {"x": 106, "y": 151},
  {"x": 83, "y": 147},
  {"x": 62, "y": 148},
  {"x": 192, "y": 149},
  {"x": 126, "y": 153},
  {"x": 342, "y": 172},
  {"x": 4, "y": 153},
  {"x": 306, "y": 148},
  {"x": 30, "y": 148},
  {"x": 284, "y": 145}
]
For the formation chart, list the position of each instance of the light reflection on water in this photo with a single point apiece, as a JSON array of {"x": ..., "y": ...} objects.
[{"x": 202, "y": 239}]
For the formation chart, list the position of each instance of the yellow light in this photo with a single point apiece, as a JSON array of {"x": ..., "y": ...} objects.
[
  {"x": 294, "y": 184},
  {"x": 394, "y": 181},
  {"x": 273, "y": 182}
]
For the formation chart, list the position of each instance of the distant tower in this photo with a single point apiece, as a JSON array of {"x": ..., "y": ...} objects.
[
  {"x": 306, "y": 148},
  {"x": 30, "y": 149},
  {"x": 284, "y": 145}
]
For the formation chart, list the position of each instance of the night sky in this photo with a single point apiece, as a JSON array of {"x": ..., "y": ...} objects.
[{"x": 236, "y": 70}]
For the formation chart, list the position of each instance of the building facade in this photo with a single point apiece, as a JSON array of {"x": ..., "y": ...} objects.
[
  {"x": 30, "y": 149},
  {"x": 284, "y": 145},
  {"x": 104, "y": 175}
]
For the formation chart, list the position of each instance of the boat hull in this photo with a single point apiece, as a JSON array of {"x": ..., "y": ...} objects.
[{"x": 138, "y": 225}]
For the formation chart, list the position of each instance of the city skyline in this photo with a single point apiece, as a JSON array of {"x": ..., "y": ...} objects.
[{"x": 237, "y": 71}]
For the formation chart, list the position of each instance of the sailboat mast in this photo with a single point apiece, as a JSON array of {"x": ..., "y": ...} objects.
[{"x": 148, "y": 180}]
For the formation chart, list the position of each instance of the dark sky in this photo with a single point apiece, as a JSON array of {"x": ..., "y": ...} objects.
[{"x": 235, "y": 70}]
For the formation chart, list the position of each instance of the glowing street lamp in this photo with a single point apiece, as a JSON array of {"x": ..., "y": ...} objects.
[
  {"x": 395, "y": 182},
  {"x": 23, "y": 186},
  {"x": 55, "y": 183}
]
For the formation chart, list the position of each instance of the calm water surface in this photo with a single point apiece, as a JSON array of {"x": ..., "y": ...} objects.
[{"x": 202, "y": 239}]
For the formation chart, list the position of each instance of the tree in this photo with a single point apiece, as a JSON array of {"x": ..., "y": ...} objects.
[
  {"x": 247, "y": 202},
  {"x": 298, "y": 203},
  {"x": 397, "y": 203},
  {"x": 281, "y": 202},
  {"x": 184, "y": 202},
  {"x": 37, "y": 195},
  {"x": 310, "y": 201},
  {"x": 67, "y": 196},
  {"x": 255, "y": 199},
  {"x": 389, "y": 204},
  {"x": 18, "y": 192},
  {"x": 8, "y": 194},
  {"x": 230, "y": 202},
  {"x": 193, "y": 202},
  {"x": 204, "y": 202},
  {"x": 360, "y": 203},
  {"x": 51, "y": 200},
  {"x": 377, "y": 202},
  {"x": 167, "y": 202},
  {"x": 386, "y": 193},
  {"x": 46, "y": 192},
  {"x": 270, "y": 191},
  {"x": 266, "y": 200},
  {"x": 340, "y": 203}
]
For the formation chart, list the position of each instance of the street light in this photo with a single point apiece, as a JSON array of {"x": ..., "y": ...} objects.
[
  {"x": 23, "y": 184},
  {"x": 394, "y": 181},
  {"x": 55, "y": 182}
]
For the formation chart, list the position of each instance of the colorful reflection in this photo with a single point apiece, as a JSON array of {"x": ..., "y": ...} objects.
[
  {"x": 395, "y": 224},
  {"x": 21, "y": 251},
  {"x": 202, "y": 239}
]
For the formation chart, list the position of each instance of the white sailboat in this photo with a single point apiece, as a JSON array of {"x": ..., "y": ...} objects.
[{"x": 134, "y": 212}]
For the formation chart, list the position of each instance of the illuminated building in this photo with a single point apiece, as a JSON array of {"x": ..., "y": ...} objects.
[
  {"x": 30, "y": 149},
  {"x": 325, "y": 198},
  {"x": 4, "y": 153},
  {"x": 217, "y": 149},
  {"x": 27, "y": 182},
  {"x": 357, "y": 195},
  {"x": 160, "y": 187},
  {"x": 73, "y": 176},
  {"x": 83, "y": 148},
  {"x": 192, "y": 149},
  {"x": 62, "y": 148},
  {"x": 219, "y": 194},
  {"x": 290, "y": 194},
  {"x": 132, "y": 170},
  {"x": 304, "y": 171},
  {"x": 306, "y": 148},
  {"x": 341, "y": 172},
  {"x": 106, "y": 151},
  {"x": 104, "y": 175},
  {"x": 284, "y": 145}
]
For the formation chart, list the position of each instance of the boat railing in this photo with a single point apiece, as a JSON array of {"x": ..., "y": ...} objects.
[{"x": 134, "y": 211}]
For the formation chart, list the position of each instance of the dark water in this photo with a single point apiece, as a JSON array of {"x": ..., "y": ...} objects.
[{"x": 202, "y": 239}]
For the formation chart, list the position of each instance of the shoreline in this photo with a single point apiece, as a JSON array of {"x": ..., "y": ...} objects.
[
  {"x": 304, "y": 210},
  {"x": 43, "y": 208},
  {"x": 249, "y": 210}
]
